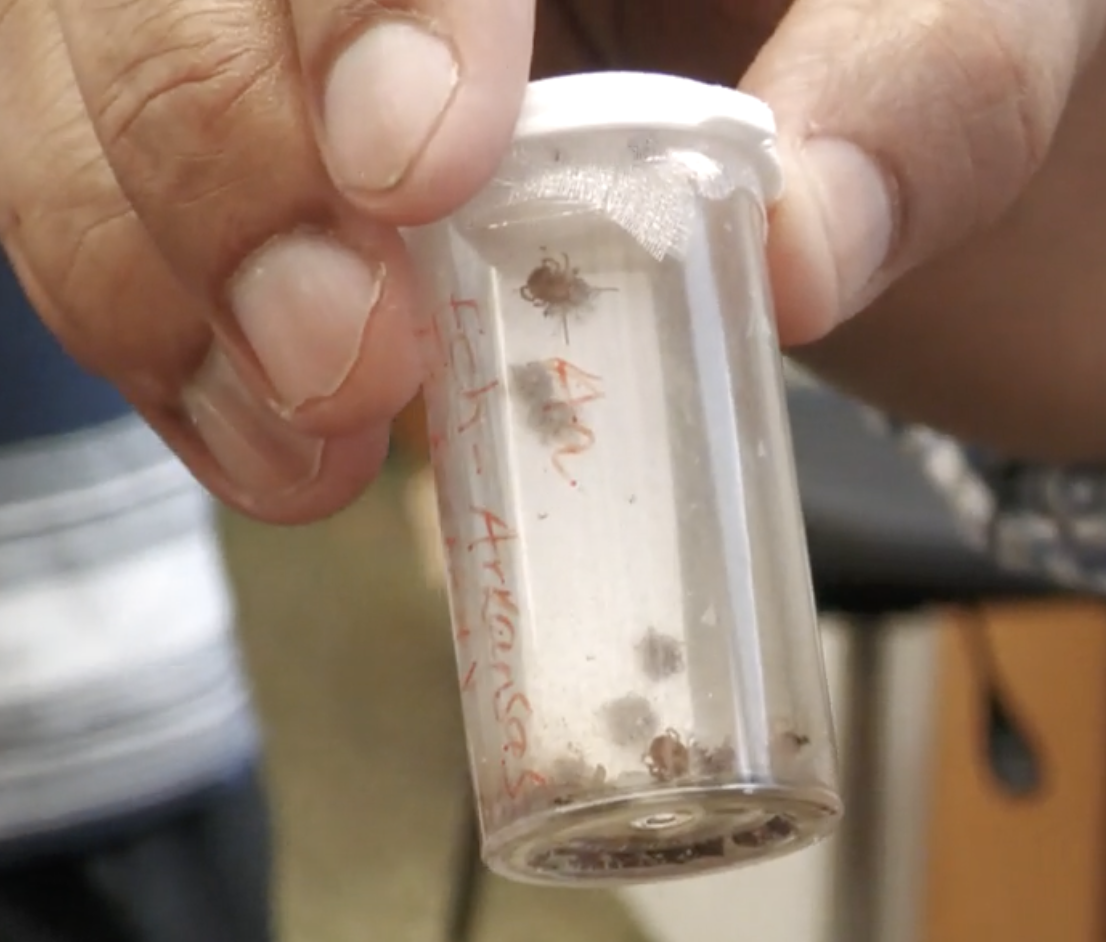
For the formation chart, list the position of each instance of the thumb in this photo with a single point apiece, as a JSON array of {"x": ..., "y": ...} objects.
[{"x": 904, "y": 126}]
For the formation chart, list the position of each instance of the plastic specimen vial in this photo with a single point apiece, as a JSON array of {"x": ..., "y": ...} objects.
[{"x": 642, "y": 679}]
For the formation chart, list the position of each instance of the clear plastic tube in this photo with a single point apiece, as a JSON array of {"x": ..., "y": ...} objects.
[{"x": 640, "y": 667}]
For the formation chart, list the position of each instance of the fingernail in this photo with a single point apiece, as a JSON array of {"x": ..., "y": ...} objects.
[
  {"x": 259, "y": 451},
  {"x": 857, "y": 210},
  {"x": 383, "y": 100},
  {"x": 303, "y": 303}
]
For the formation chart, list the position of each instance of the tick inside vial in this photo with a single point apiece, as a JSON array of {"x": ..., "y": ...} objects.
[
  {"x": 792, "y": 742},
  {"x": 660, "y": 655},
  {"x": 630, "y": 720},
  {"x": 773, "y": 831},
  {"x": 546, "y": 414},
  {"x": 557, "y": 287},
  {"x": 667, "y": 758}
]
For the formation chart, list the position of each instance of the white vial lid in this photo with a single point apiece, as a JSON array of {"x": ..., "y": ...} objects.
[{"x": 648, "y": 101}]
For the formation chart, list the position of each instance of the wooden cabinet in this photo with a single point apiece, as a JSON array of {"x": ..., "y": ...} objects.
[{"x": 1030, "y": 869}]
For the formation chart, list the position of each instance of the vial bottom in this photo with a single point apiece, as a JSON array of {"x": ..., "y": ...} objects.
[{"x": 677, "y": 833}]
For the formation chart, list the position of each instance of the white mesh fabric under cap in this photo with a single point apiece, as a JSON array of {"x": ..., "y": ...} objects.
[{"x": 649, "y": 191}]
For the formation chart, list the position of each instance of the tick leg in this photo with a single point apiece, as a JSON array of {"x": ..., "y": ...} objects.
[{"x": 561, "y": 311}]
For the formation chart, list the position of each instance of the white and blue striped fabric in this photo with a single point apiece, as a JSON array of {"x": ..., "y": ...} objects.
[{"x": 120, "y": 682}]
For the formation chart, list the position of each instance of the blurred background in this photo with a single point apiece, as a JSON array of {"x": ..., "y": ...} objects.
[{"x": 971, "y": 709}]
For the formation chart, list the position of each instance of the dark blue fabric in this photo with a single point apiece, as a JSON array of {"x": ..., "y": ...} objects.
[
  {"x": 202, "y": 873},
  {"x": 88, "y": 835},
  {"x": 42, "y": 390}
]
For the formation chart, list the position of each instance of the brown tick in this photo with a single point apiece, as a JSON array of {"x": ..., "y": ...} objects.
[
  {"x": 557, "y": 287},
  {"x": 667, "y": 758}
]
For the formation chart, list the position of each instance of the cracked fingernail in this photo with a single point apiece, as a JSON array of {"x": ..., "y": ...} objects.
[{"x": 303, "y": 302}]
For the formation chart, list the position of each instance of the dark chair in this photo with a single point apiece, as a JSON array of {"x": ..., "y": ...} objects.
[{"x": 882, "y": 542}]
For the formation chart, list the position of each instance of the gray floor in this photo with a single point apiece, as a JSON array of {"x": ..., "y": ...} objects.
[{"x": 355, "y": 680}]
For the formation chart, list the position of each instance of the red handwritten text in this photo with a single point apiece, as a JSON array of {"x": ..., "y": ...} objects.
[
  {"x": 499, "y": 614},
  {"x": 575, "y": 388}
]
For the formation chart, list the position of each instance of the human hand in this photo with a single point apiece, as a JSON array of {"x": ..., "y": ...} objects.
[
  {"x": 200, "y": 198},
  {"x": 204, "y": 213}
]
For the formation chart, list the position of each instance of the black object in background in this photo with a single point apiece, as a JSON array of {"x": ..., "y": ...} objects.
[
  {"x": 1011, "y": 755},
  {"x": 199, "y": 872}
]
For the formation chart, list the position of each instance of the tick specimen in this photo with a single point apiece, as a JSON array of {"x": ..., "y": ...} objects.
[
  {"x": 660, "y": 655},
  {"x": 559, "y": 289},
  {"x": 667, "y": 757}
]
